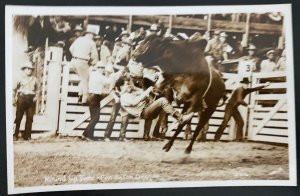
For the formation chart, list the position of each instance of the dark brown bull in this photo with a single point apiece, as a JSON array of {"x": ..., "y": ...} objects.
[{"x": 187, "y": 72}]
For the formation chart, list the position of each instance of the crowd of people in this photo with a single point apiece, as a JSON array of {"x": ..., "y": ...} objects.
[{"x": 104, "y": 66}]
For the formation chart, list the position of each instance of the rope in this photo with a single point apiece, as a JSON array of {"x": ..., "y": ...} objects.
[{"x": 210, "y": 80}]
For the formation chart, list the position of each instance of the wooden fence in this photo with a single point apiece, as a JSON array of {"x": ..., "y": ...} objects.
[{"x": 267, "y": 122}]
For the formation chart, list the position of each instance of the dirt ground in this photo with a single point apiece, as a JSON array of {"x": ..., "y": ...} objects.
[{"x": 58, "y": 161}]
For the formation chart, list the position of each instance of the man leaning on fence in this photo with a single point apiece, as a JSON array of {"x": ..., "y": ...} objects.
[
  {"x": 25, "y": 95},
  {"x": 84, "y": 52},
  {"x": 231, "y": 109}
]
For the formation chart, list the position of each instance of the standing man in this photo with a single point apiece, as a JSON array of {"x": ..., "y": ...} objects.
[
  {"x": 25, "y": 95},
  {"x": 100, "y": 85},
  {"x": 269, "y": 64},
  {"x": 248, "y": 63},
  {"x": 237, "y": 98},
  {"x": 84, "y": 52}
]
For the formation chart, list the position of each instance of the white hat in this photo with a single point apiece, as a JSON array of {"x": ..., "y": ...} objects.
[
  {"x": 270, "y": 52},
  {"x": 100, "y": 64},
  {"x": 276, "y": 16},
  {"x": 223, "y": 34},
  {"x": 94, "y": 29},
  {"x": 251, "y": 47},
  {"x": 78, "y": 28},
  {"x": 135, "y": 68},
  {"x": 109, "y": 68},
  {"x": 182, "y": 36},
  {"x": 27, "y": 65},
  {"x": 154, "y": 27},
  {"x": 150, "y": 75}
]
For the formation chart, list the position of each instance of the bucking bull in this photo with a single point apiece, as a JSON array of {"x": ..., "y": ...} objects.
[{"x": 197, "y": 85}]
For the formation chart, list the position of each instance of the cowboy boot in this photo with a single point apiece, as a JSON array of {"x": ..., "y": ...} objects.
[
  {"x": 183, "y": 118},
  {"x": 124, "y": 124}
]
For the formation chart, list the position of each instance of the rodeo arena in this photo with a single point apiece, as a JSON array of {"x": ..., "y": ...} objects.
[{"x": 153, "y": 98}]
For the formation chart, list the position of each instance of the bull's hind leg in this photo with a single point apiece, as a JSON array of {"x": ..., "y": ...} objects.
[{"x": 205, "y": 116}]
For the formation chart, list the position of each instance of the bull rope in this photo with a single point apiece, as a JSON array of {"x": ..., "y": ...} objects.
[{"x": 210, "y": 80}]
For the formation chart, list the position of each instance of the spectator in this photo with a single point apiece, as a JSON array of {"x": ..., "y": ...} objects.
[
  {"x": 38, "y": 31},
  {"x": 61, "y": 27},
  {"x": 98, "y": 40},
  {"x": 122, "y": 53},
  {"x": 105, "y": 53},
  {"x": 248, "y": 63},
  {"x": 281, "y": 64},
  {"x": 269, "y": 64},
  {"x": 84, "y": 51},
  {"x": 25, "y": 95},
  {"x": 216, "y": 49}
]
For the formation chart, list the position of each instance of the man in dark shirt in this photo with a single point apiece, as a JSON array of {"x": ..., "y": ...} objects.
[{"x": 231, "y": 109}]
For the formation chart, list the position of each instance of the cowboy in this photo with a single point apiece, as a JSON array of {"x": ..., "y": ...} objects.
[
  {"x": 231, "y": 109},
  {"x": 25, "y": 95},
  {"x": 269, "y": 64},
  {"x": 247, "y": 64},
  {"x": 138, "y": 105},
  {"x": 135, "y": 80},
  {"x": 84, "y": 52},
  {"x": 281, "y": 64},
  {"x": 100, "y": 84}
]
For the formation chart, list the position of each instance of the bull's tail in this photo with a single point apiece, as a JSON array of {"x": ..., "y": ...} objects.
[{"x": 224, "y": 100}]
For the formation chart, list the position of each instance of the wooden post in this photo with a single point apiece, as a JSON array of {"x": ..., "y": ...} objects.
[
  {"x": 54, "y": 57},
  {"x": 281, "y": 39},
  {"x": 209, "y": 23},
  {"x": 44, "y": 78},
  {"x": 247, "y": 30},
  {"x": 129, "y": 24},
  {"x": 170, "y": 23}
]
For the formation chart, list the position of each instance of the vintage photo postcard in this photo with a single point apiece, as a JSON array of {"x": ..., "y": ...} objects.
[{"x": 149, "y": 97}]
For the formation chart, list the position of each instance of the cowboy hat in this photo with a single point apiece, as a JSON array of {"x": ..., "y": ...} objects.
[
  {"x": 94, "y": 29},
  {"x": 97, "y": 37},
  {"x": 217, "y": 32},
  {"x": 270, "y": 52},
  {"x": 251, "y": 47},
  {"x": 276, "y": 16},
  {"x": 27, "y": 65},
  {"x": 182, "y": 36},
  {"x": 100, "y": 64},
  {"x": 223, "y": 34},
  {"x": 78, "y": 28},
  {"x": 245, "y": 81},
  {"x": 154, "y": 27}
]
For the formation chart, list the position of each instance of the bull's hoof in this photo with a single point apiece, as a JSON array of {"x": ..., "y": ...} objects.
[
  {"x": 167, "y": 147},
  {"x": 188, "y": 150}
]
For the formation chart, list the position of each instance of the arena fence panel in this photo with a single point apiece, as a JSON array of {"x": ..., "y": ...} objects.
[{"x": 268, "y": 121}]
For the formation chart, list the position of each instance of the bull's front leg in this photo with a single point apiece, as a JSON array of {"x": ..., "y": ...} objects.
[
  {"x": 168, "y": 146},
  {"x": 205, "y": 116}
]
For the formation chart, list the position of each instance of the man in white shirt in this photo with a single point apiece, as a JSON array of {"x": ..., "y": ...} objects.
[
  {"x": 269, "y": 65},
  {"x": 100, "y": 86},
  {"x": 84, "y": 51}
]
